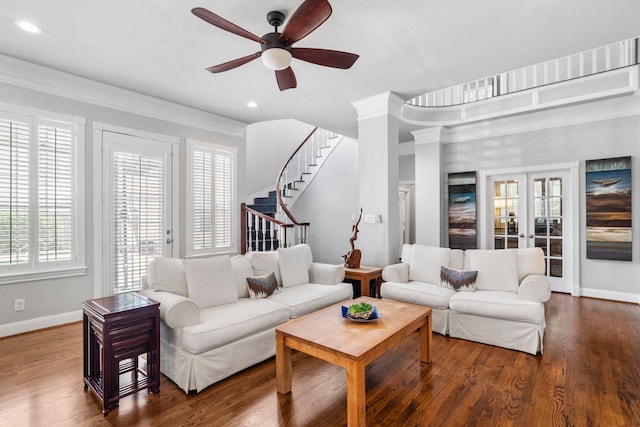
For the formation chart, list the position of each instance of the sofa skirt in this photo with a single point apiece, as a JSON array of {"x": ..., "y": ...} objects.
[
  {"x": 521, "y": 336},
  {"x": 198, "y": 371}
]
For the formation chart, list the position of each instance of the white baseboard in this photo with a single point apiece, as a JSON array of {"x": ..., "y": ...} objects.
[
  {"x": 610, "y": 295},
  {"x": 39, "y": 323}
]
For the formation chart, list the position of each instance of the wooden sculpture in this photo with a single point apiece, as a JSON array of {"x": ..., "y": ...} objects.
[{"x": 352, "y": 258}]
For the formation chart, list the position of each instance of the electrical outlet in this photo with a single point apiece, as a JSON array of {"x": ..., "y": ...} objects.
[{"x": 18, "y": 305}]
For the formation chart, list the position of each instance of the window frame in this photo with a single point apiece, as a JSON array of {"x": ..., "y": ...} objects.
[
  {"x": 36, "y": 269},
  {"x": 193, "y": 146}
]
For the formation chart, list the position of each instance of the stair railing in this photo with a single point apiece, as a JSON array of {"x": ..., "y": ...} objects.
[
  {"x": 292, "y": 173},
  {"x": 261, "y": 232}
]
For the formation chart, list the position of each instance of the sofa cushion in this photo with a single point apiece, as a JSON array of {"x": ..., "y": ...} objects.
[
  {"x": 210, "y": 281},
  {"x": 294, "y": 265},
  {"x": 228, "y": 323},
  {"x": 426, "y": 262},
  {"x": 428, "y": 294},
  {"x": 458, "y": 280},
  {"x": 530, "y": 261},
  {"x": 265, "y": 263},
  {"x": 306, "y": 298},
  {"x": 167, "y": 274},
  {"x": 262, "y": 286},
  {"x": 242, "y": 269},
  {"x": 497, "y": 305},
  {"x": 497, "y": 269}
]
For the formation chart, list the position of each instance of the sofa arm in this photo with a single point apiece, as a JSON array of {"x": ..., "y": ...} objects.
[
  {"x": 535, "y": 287},
  {"x": 398, "y": 273},
  {"x": 326, "y": 274},
  {"x": 176, "y": 311}
]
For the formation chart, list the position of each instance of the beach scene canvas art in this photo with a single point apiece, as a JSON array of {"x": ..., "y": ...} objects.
[
  {"x": 608, "y": 200},
  {"x": 462, "y": 210}
]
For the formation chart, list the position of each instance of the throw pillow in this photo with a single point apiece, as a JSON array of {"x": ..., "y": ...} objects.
[
  {"x": 210, "y": 281},
  {"x": 241, "y": 268},
  {"x": 426, "y": 262},
  {"x": 167, "y": 274},
  {"x": 262, "y": 286},
  {"x": 458, "y": 280},
  {"x": 264, "y": 263},
  {"x": 497, "y": 269},
  {"x": 294, "y": 265}
]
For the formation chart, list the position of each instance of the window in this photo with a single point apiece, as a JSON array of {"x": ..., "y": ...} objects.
[
  {"x": 211, "y": 198},
  {"x": 41, "y": 216}
]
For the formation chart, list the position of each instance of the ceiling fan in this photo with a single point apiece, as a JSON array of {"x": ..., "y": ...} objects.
[{"x": 277, "y": 48}]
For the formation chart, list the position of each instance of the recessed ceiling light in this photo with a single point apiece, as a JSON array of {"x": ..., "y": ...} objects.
[
  {"x": 28, "y": 27},
  {"x": 252, "y": 104}
]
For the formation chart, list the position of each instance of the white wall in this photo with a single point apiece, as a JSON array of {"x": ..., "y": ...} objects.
[
  {"x": 329, "y": 203},
  {"x": 56, "y": 301},
  {"x": 608, "y": 128},
  {"x": 269, "y": 145}
]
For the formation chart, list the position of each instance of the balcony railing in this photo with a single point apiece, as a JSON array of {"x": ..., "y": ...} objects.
[{"x": 606, "y": 58}]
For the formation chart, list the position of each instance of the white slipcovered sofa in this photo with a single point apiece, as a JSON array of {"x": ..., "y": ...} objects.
[
  {"x": 504, "y": 307},
  {"x": 212, "y": 328}
]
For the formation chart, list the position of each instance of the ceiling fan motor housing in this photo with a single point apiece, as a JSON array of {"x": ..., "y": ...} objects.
[{"x": 275, "y": 18}]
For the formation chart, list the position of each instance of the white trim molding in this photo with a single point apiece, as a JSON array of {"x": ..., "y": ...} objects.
[
  {"x": 39, "y": 323},
  {"x": 610, "y": 295},
  {"x": 387, "y": 103},
  {"x": 24, "y": 74}
]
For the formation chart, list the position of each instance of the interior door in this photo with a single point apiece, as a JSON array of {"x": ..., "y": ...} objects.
[
  {"x": 137, "y": 208},
  {"x": 532, "y": 210}
]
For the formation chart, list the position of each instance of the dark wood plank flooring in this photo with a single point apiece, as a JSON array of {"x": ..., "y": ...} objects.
[{"x": 589, "y": 375}]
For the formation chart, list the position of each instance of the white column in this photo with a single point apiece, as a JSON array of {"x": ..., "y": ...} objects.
[
  {"x": 429, "y": 196},
  {"x": 379, "y": 237}
]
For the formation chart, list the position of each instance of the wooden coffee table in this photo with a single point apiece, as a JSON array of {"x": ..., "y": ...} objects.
[{"x": 326, "y": 335}]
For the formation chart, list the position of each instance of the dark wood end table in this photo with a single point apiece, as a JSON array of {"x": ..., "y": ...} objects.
[{"x": 116, "y": 330}]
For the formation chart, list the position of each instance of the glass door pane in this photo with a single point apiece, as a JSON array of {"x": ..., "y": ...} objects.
[
  {"x": 547, "y": 219},
  {"x": 506, "y": 213}
]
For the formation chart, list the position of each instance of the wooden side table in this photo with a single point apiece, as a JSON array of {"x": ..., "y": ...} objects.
[
  {"x": 365, "y": 275},
  {"x": 116, "y": 330}
]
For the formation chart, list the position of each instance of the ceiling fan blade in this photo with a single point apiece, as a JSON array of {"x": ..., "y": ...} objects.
[
  {"x": 307, "y": 17},
  {"x": 222, "y": 23},
  {"x": 286, "y": 79},
  {"x": 234, "y": 63},
  {"x": 326, "y": 57}
]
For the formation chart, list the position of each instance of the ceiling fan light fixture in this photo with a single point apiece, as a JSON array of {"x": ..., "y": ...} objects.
[{"x": 276, "y": 58}]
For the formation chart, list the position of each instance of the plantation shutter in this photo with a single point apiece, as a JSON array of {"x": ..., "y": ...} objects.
[
  {"x": 211, "y": 195},
  {"x": 223, "y": 200},
  {"x": 138, "y": 195},
  {"x": 55, "y": 194},
  {"x": 14, "y": 193},
  {"x": 202, "y": 196}
]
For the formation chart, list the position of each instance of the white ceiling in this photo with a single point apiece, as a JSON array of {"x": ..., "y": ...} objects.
[{"x": 158, "y": 48}]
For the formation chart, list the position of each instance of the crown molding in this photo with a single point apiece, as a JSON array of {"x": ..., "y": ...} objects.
[
  {"x": 427, "y": 135},
  {"x": 387, "y": 103},
  {"x": 31, "y": 76}
]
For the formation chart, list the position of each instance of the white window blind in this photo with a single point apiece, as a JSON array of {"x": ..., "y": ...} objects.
[
  {"x": 55, "y": 194},
  {"x": 138, "y": 209},
  {"x": 14, "y": 193},
  {"x": 40, "y": 217},
  {"x": 211, "y": 189}
]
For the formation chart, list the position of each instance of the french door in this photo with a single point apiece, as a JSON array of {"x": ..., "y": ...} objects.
[
  {"x": 137, "y": 208},
  {"x": 535, "y": 210}
]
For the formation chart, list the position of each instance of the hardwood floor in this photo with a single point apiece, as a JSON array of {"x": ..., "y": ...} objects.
[{"x": 589, "y": 375}]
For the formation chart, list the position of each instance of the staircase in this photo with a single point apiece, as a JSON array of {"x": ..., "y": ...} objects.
[{"x": 267, "y": 223}]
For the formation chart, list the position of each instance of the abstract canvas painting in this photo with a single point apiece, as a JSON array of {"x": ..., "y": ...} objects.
[
  {"x": 608, "y": 197},
  {"x": 462, "y": 210}
]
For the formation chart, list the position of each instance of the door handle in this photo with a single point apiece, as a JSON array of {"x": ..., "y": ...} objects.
[
  {"x": 521, "y": 236},
  {"x": 530, "y": 236}
]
